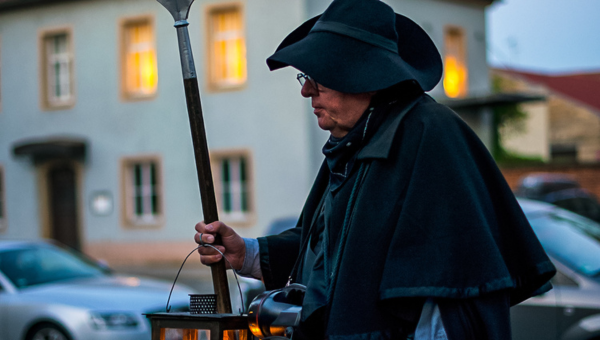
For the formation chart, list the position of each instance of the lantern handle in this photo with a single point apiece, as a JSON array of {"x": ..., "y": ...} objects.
[{"x": 241, "y": 310}]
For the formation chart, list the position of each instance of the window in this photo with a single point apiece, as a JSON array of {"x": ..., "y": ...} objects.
[
  {"x": 233, "y": 185},
  {"x": 227, "y": 47},
  {"x": 561, "y": 279},
  {"x": 571, "y": 239},
  {"x": 57, "y": 69},
  {"x": 30, "y": 266},
  {"x": 456, "y": 77},
  {"x": 563, "y": 153},
  {"x": 139, "y": 70},
  {"x": 142, "y": 192},
  {"x": 2, "y": 205}
]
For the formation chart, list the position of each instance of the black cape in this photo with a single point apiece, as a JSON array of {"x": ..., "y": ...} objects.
[{"x": 434, "y": 217}]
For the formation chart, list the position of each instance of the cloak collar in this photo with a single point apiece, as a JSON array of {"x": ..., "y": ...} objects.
[{"x": 380, "y": 144}]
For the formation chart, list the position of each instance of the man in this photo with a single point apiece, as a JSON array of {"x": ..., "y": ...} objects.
[{"x": 410, "y": 230}]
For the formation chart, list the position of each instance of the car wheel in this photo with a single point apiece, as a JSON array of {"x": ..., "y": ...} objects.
[{"x": 47, "y": 331}]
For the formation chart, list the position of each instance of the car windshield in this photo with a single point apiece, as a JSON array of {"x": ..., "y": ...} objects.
[
  {"x": 32, "y": 266},
  {"x": 574, "y": 240}
]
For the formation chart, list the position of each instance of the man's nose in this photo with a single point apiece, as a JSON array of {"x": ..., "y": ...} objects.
[{"x": 308, "y": 90}]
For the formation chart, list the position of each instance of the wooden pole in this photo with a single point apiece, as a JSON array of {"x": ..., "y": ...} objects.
[{"x": 180, "y": 9}]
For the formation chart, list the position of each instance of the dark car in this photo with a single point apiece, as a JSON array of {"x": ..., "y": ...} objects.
[
  {"x": 560, "y": 190},
  {"x": 571, "y": 310}
]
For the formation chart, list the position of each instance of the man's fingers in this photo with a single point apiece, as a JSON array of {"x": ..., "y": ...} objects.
[
  {"x": 210, "y": 259},
  {"x": 213, "y": 228},
  {"x": 210, "y": 251},
  {"x": 200, "y": 227},
  {"x": 206, "y": 234},
  {"x": 201, "y": 238}
]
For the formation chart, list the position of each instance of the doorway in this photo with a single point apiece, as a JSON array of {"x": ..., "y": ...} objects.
[{"x": 62, "y": 204}]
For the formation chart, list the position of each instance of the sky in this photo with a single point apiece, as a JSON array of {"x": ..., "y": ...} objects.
[{"x": 550, "y": 36}]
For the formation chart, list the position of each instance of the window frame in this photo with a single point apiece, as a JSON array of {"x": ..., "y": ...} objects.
[
  {"x": 47, "y": 103},
  {"x": 126, "y": 94},
  {"x": 463, "y": 57},
  {"x": 214, "y": 84},
  {"x": 128, "y": 216},
  {"x": 243, "y": 219}
]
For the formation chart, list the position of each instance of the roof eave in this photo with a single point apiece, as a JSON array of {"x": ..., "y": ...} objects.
[{"x": 492, "y": 100}]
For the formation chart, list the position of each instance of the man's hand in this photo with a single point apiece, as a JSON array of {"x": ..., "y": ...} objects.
[{"x": 234, "y": 247}]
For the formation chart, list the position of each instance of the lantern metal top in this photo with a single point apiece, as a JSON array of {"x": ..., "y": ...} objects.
[
  {"x": 179, "y": 9},
  {"x": 196, "y": 317}
]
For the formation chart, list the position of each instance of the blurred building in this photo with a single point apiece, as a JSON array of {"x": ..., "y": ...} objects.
[
  {"x": 95, "y": 149},
  {"x": 566, "y": 127}
]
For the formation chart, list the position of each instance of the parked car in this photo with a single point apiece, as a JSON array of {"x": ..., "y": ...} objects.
[
  {"x": 560, "y": 190},
  {"x": 571, "y": 310},
  {"x": 281, "y": 224},
  {"x": 51, "y": 292}
]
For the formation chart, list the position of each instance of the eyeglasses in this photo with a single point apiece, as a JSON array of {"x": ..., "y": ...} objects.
[{"x": 303, "y": 78}]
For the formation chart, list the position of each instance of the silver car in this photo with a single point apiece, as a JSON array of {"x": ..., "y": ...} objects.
[
  {"x": 52, "y": 293},
  {"x": 571, "y": 310}
]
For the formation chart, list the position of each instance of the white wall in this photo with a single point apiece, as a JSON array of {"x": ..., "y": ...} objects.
[{"x": 267, "y": 116}]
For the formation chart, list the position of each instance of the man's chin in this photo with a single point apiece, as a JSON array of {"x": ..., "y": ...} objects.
[{"x": 326, "y": 126}]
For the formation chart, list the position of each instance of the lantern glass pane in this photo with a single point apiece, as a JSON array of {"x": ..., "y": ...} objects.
[
  {"x": 184, "y": 334},
  {"x": 237, "y": 334}
]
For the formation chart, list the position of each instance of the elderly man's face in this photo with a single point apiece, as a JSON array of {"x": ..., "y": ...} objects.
[{"x": 337, "y": 112}]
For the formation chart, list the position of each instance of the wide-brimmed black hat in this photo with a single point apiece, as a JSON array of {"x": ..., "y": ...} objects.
[{"x": 360, "y": 46}]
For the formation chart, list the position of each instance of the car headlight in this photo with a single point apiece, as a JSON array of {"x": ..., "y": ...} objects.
[{"x": 117, "y": 320}]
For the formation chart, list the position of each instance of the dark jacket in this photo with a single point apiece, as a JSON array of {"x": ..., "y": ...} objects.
[{"x": 433, "y": 217}]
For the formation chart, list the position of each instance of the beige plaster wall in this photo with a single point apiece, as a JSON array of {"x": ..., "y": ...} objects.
[
  {"x": 532, "y": 139},
  {"x": 571, "y": 123}
]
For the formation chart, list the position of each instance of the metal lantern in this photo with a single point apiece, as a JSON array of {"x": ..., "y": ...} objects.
[
  {"x": 201, "y": 323},
  {"x": 188, "y": 326}
]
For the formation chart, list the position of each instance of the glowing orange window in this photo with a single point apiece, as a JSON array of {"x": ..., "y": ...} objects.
[
  {"x": 227, "y": 47},
  {"x": 139, "y": 59},
  {"x": 456, "y": 75}
]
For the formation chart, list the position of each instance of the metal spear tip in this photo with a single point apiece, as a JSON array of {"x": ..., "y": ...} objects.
[{"x": 179, "y": 9}]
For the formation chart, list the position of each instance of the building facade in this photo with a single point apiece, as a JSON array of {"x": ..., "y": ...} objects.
[{"x": 95, "y": 148}]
